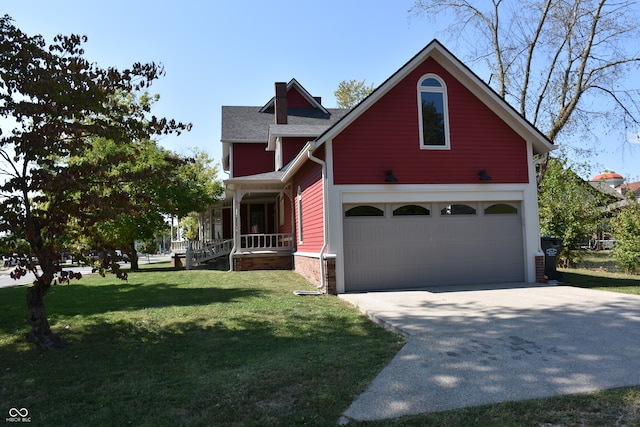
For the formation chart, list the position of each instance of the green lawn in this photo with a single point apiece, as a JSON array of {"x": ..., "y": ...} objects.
[
  {"x": 597, "y": 270},
  {"x": 216, "y": 348}
]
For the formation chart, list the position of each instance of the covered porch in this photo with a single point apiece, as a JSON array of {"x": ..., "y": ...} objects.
[{"x": 250, "y": 229}]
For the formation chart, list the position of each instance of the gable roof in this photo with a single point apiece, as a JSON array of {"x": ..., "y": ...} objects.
[
  {"x": 293, "y": 84},
  {"x": 467, "y": 78}
]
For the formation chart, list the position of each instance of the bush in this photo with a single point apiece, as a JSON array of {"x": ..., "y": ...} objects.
[{"x": 626, "y": 231}]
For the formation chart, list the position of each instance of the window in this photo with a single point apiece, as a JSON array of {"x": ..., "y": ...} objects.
[
  {"x": 501, "y": 209},
  {"x": 364, "y": 211},
  {"x": 433, "y": 113},
  {"x": 458, "y": 210},
  {"x": 410, "y": 210}
]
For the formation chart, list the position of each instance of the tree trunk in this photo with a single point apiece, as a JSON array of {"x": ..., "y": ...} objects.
[
  {"x": 40, "y": 333},
  {"x": 133, "y": 257}
]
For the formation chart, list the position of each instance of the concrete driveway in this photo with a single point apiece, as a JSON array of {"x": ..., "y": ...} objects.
[{"x": 473, "y": 346}]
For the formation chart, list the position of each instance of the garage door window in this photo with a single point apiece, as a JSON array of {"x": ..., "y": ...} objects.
[
  {"x": 364, "y": 210},
  {"x": 458, "y": 210},
  {"x": 501, "y": 209},
  {"x": 408, "y": 210}
]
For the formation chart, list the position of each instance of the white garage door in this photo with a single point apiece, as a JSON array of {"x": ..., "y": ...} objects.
[{"x": 432, "y": 244}]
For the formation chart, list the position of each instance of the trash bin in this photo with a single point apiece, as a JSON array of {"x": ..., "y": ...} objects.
[{"x": 551, "y": 246}]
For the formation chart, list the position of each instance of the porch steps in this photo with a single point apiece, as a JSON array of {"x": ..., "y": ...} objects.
[{"x": 211, "y": 251}]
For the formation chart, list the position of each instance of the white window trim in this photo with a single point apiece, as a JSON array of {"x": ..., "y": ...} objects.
[{"x": 445, "y": 103}]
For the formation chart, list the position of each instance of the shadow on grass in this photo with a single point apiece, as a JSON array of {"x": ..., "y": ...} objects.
[
  {"x": 591, "y": 280},
  {"x": 280, "y": 367},
  {"x": 89, "y": 300}
]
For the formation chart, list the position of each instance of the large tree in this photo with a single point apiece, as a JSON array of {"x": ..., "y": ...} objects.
[
  {"x": 161, "y": 183},
  {"x": 570, "y": 208},
  {"x": 561, "y": 63},
  {"x": 54, "y": 103}
]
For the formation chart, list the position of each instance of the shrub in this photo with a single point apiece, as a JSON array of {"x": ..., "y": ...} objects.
[{"x": 626, "y": 231}]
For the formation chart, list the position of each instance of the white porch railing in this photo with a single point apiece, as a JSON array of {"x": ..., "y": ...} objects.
[
  {"x": 267, "y": 242},
  {"x": 253, "y": 242},
  {"x": 196, "y": 245},
  {"x": 200, "y": 251}
]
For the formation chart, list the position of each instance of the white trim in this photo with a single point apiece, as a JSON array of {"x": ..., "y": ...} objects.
[
  {"x": 422, "y": 194},
  {"x": 430, "y": 193},
  {"x": 314, "y": 255},
  {"x": 445, "y": 106}
]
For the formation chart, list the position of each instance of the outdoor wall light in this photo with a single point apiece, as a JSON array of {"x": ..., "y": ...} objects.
[
  {"x": 390, "y": 177},
  {"x": 483, "y": 175}
]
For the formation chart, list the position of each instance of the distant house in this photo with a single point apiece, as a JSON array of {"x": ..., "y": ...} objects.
[
  {"x": 428, "y": 181},
  {"x": 613, "y": 183}
]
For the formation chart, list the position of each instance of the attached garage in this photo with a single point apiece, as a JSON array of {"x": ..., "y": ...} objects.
[{"x": 412, "y": 245}]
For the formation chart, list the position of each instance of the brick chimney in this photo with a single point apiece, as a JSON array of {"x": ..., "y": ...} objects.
[{"x": 280, "y": 106}]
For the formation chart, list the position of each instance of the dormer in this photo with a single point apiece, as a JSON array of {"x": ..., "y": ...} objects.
[
  {"x": 263, "y": 139},
  {"x": 289, "y": 99},
  {"x": 292, "y": 106}
]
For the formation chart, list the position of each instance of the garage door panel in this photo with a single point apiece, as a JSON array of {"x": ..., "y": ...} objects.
[{"x": 404, "y": 252}]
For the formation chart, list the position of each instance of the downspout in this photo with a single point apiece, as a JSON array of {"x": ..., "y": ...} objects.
[
  {"x": 324, "y": 216},
  {"x": 235, "y": 224}
]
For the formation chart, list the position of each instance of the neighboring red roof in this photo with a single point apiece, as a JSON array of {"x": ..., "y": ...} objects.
[
  {"x": 632, "y": 186},
  {"x": 607, "y": 175}
]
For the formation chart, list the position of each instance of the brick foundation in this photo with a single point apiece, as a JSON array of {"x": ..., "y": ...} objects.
[
  {"x": 177, "y": 261},
  {"x": 540, "y": 269},
  {"x": 309, "y": 268},
  {"x": 262, "y": 262}
]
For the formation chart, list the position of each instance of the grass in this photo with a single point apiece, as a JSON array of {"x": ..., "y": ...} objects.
[
  {"x": 190, "y": 348},
  {"x": 216, "y": 348},
  {"x": 597, "y": 270}
]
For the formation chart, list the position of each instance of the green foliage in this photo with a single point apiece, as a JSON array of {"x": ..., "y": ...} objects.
[
  {"x": 9, "y": 244},
  {"x": 157, "y": 183},
  {"x": 569, "y": 207},
  {"x": 190, "y": 227},
  {"x": 61, "y": 105},
  {"x": 350, "y": 93},
  {"x": 55, "y": 105},
  {"x": 626, "y": 232},
  {"x": 149, "y": 246}
]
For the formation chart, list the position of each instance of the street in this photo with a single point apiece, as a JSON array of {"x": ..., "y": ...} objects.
[{"x": 6, "y": 281}]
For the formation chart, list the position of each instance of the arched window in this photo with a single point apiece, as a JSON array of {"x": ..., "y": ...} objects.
[
  {"x": 433, "y": 113},
  {"x": 501, "y": 209},
  {"x": 458, "y": 210},
  {"x": 364, "y": 210},
  {"x": 410, "y": 210}
]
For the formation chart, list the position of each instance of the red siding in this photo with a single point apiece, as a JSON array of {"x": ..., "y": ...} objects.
[
  {"x": 286, "y": 227},
  {"x": 387, "y": 137},
  {"x": 309, "y": 179},
  {"x": 251, "y": 159},
  {"x": 291, "y": 147},
  {"x": 296, "y": 100}
]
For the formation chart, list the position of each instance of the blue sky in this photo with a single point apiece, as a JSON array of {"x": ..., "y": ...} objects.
[{"x": 231, "y": 52}]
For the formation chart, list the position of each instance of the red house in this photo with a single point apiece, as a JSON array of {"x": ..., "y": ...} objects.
[{"x": 428, "y": 181}]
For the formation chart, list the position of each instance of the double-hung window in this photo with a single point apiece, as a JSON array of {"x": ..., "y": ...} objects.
[{"x": 433, "y": 113}]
